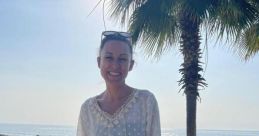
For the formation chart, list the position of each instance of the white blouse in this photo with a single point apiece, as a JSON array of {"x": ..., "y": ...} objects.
[{"x": 138, "y": 116}]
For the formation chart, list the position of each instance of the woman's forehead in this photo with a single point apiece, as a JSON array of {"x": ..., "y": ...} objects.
[
  {"x": 114, "y": 46},
  {"x": 115, "y": 42},
  {"x": 111, "y": 53}
]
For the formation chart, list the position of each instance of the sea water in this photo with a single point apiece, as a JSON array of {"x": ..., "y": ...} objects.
[{"x": 47, "y": 130}]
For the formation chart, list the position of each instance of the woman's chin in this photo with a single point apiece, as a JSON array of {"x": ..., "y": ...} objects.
[{"x": 115, "y": 80}]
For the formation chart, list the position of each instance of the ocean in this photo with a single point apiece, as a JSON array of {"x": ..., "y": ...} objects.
[{"x": 47, "y": 130}]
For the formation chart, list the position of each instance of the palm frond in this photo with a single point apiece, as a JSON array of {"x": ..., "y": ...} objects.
[
  {"x": 155, "y": 27},
  {"x": 249, "y": 42},
  {"x": 229, "y": 17},
  {"x": 121, "y": 10},
  {"x": 197, "y": 8}
]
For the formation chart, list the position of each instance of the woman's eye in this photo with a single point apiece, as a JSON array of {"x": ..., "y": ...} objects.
[
  {"x": 108, "y": 57},
  {"x": 123, "y": 59}
]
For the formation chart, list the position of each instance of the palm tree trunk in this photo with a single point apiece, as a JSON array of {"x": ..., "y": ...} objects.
[
  {"x": 191, "y": 114},
  {"x": 190, "y": 48}
]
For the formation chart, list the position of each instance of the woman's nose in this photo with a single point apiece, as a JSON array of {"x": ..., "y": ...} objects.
[{"x": 115, "y": 64}]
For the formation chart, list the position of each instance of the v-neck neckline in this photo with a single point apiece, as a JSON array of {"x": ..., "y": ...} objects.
[{"x": 120, "y": 110}]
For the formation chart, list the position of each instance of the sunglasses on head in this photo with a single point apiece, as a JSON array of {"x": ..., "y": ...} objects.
[
  {"x": 125, "y": 35},
  {"x": 116, "y": 33}
]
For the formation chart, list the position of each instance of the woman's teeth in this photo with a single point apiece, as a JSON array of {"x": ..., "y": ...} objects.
[{"x": 114, "y": 73}]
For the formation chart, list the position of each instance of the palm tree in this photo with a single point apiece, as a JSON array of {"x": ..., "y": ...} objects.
[{"x": 162, "y": 24}]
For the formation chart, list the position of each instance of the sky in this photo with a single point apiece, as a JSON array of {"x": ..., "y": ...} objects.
[{"x": 48, "y": 68}]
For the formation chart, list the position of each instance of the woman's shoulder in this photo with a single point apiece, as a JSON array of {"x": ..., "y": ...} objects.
[
  {"x": 91, "y": 100},
  {"x": 143, "y": 93},
  {"x": 88, "y": 103},
  {"x": 148, "y": 98}
]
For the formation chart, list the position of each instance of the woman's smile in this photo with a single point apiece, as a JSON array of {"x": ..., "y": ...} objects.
[{"x": 114, "y": 73}]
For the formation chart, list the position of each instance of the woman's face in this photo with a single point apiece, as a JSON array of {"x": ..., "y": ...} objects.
[{"x": 115, "y": 61}]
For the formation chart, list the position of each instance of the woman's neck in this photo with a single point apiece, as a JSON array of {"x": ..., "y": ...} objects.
[{"x": 117, "y": 92}]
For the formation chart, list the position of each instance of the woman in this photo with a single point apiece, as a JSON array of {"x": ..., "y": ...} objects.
[{"x": 120, "y": 110}]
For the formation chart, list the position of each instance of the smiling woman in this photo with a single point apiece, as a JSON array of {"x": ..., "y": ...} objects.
[{"x": 120, "y": 110}]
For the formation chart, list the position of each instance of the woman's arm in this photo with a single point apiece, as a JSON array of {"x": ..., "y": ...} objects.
[
  {"x": 153, "y": 118},
  {"x": 81, "y": 125}
]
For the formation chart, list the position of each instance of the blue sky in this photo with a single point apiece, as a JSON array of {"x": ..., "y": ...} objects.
[{"x": 48, "y": 69}]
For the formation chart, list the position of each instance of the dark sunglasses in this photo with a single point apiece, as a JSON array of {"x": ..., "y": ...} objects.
[{"x": 125, "y": 35}]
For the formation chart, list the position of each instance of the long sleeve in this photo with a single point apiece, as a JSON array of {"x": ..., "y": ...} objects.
[
  {"x": 80, "y": 126},
  {"x": 153, "y": 118}
]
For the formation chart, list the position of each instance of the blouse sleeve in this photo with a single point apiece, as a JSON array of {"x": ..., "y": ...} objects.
[
  {"x": 81, "y": 128},
  {"x": 153, "y": 118}
]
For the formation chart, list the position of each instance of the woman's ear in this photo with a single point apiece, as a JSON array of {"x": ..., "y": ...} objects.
[
  {"x": 98, "y": 61},
  {"x": 131, "y": 64}
]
